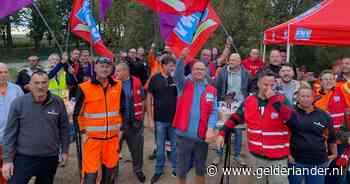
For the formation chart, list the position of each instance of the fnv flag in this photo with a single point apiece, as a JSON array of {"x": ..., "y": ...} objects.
[
  {"x": 84, "y": 25},
  {"x": 178, "y": 7},
  {"x": 193, "y": 31},
  {"x": 9, "y": 7}
]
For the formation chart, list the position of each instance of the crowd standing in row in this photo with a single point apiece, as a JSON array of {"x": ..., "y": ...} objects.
[{"x": 289, "y": 120}]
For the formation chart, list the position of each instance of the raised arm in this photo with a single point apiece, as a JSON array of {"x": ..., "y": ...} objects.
[{"x": 180, "y": 70}]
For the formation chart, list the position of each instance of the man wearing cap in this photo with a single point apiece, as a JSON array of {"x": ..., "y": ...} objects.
[
  {"x": 24, "y": 75},
  {"x": 97, "y": 113}
]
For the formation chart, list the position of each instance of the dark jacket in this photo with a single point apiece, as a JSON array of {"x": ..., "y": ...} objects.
[
  {"x": 222, "y": 78},
  {"x": 36, "y": 130},
  {"x": 309, "y": 134},
  {"x": 138, "y": 69}
]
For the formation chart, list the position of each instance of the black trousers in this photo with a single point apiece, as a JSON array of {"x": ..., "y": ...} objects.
[
  {"x": 25, "y": 167},
  {"x": 135, "y": 140}
]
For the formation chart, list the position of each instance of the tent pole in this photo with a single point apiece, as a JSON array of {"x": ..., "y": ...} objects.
[
  {"x": 288, "y": 53},
  {"x": 264, "y": 53},
  {"x": 288, "y": 45},
  {"x": 48, "y": 27}
]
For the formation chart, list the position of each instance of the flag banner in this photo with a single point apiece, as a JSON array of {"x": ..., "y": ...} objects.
[
  {"x": 104, "y": 6},
  {"x": 193, "y": 31},
  {"x": 84, "y": 25},
  {"x": 11, "y": 6},
  {"x": 178, "y": 7},
  {"x": 167, "y": 22}
]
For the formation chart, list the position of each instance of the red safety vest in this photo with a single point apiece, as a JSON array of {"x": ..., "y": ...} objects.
[
  {"x": 267, "y": 135},
  {"x": 336, "y": 108},
  {"x": 184, "y": 105},
  {"x": 137, "y": 98}
]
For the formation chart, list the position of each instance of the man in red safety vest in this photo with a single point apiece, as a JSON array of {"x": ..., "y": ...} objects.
[{"x": 267, "y": 135}]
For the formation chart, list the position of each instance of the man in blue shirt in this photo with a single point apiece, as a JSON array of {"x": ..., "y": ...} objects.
[
  {"x": 132, "y": 128},
  {"x": 195, "y": 118},
  {"x": 8, "y": 92}
]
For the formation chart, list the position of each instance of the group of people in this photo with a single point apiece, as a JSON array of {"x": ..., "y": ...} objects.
[{"x": 289, "y": 121}]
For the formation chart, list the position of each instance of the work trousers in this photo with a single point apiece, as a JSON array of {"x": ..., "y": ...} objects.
[{"x": 134, "y": 138}]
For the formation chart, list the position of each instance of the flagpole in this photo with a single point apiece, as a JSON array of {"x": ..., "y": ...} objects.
[
  {"x": 228, "y": 35},
  {"x": 68, "y": 33},
  {"x": 48, "y": 27},
  {"x": 91, "y": 38}
]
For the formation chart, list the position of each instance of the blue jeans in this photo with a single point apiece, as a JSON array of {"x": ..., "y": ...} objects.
[
  {"x": 237, "y": 144},
  {"x": 309, "y": 179},
  {"x": 162, "y": 129}
]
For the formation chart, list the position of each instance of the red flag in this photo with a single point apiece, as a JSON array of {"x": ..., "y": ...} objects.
[
  {"x": 178, "y": 7},
  {"x": 193, "y": 31},
  {"x": 84, "y": 25}
]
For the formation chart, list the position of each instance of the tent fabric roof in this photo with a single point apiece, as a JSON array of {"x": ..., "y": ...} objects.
[{"x": 327, "y": 23}]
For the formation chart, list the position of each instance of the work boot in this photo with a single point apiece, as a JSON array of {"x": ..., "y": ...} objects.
[
  {"x": 107, "y": 175},
  {"x": 141, "y": 177},
  {"x": 90, "y": 178},
  {"x": 239, "y": 160},
  {"x": 155, "y": 178}
]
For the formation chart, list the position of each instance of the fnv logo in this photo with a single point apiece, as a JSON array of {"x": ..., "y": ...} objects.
[{"x": 303, "y": 34}]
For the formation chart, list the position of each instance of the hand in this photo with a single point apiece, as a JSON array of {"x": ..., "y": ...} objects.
[
  {"x": 220, "y": 141},
  {"x": 83, "y": 138},
  {"x": 64, "y": 58},
  {"x": 70, "y": 69},
  {"x": 184, "y": 53},
  {"x": 332, "y": 157},
  {"x": 210, "y": 135},
  {"x": 27, "y": 87},
  {"x": 151, "y": 124},
  {"x": 63, "y": 159},
  {"x": 7, "y": 170},
  {"x": 291, "y": 159},
  {"x": 269, "y": 93},
  {"x": 153, "y": 45},
  {"x": 229, "y": 40}
]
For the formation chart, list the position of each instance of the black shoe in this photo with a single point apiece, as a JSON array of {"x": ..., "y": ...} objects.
[
  {"x": 141, "y": 177},
  {"x": 155, "y": 178},
  {"x": 152, "y": 156},
  {"x": 173, "y": 174}
]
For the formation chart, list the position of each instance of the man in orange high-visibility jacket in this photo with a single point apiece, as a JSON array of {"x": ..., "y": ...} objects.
[
  {"x": 97, "y": 113},
  {"x": 332, "y": 99}
]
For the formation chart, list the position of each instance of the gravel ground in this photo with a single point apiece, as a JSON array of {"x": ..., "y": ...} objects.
[{"x": 69, "y": 174}]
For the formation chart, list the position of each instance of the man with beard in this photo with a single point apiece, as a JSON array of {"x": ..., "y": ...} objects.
[{"x": 286, "y": 85}]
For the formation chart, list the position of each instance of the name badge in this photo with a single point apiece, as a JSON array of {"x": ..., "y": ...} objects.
[
  {"x": 209, "y": 97},
  {"x": 274, "y": 115},
  {"x": 336, "y": 98},
  {"x": 52, "y": 113}
]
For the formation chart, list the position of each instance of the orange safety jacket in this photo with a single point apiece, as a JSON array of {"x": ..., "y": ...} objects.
[
  {"x": 267, "y": 134},
  {"x": 100, "y": 115},
  {"x": 334, "y": 103}
]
